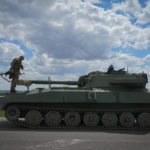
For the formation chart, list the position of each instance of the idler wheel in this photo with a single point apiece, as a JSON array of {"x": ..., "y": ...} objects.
[
  {"x": 12, "y": 113},
  {"x": 109, "y": 119},
  {"x": 91, "y": 119},
  {"x": 33, "y": 118},
  {"x": 127, "y": 119},
  {"x": 144, "y": 120},
  {"x": 53, "y": 118},
  {"x": 72, "y": 119}
]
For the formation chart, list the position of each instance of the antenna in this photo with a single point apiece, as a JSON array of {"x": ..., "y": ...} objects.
[
  {"x": 127, "y": 70},
  {"x": 49, "y": 82}
]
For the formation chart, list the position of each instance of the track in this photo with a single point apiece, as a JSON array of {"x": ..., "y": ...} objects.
[{"x": 22, "y": 121}]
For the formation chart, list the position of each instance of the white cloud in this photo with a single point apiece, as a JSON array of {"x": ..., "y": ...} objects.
[
  {"x": 128, "y": 6},
  {"x": 144, "y": 17},
  {"x": 9, "y": 51},
  {"x": 133, "y": 6},
  {"x": 42, "y": 66},
  {"x": 55, "y": 67},
  {"x": 71, "y": 37},
  {"x": 147, "y": 58},
  {"x": 93, "y": 1},
  {"x": 69, "y": 29}
]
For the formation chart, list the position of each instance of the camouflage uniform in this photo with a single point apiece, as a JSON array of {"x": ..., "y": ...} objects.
[{"x": 16, "y": 65}]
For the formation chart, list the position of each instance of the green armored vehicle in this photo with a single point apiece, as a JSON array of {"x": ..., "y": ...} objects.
[{"x": 114, "y": 99}]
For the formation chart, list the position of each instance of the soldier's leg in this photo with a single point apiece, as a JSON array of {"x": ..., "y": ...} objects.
[
  {"x": 24, "y": 82},
  {"x": 13, "y": 84}
]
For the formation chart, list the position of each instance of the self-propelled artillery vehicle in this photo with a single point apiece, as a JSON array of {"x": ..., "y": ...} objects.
[{"x": 114, "y": 99}]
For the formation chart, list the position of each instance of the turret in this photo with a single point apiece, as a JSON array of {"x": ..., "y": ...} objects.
[
  {"x": 98, "y": 79},
  {"x": 119, "y": 78}
]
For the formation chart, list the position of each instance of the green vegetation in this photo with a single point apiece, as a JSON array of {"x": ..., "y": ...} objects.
[{"x": 2, "y": 113}]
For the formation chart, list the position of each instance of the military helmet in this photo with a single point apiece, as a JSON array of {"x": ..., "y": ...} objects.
[{"x": 21, "y": 57}]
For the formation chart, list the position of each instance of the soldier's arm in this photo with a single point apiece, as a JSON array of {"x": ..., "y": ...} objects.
[
  {"x": 22, "y": 67},
  {"x": 13, "y": 63}
]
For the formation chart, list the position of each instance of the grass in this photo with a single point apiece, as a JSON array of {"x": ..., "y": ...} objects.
[{"x": 2, "y": 114}]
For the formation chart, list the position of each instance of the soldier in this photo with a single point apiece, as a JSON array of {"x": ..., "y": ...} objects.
[
  {"x": 110, "y": 69},
  {"x": 16, "y": 65}
]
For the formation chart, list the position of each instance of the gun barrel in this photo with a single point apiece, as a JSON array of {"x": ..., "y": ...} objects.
[{"x": 54, "y": 82}]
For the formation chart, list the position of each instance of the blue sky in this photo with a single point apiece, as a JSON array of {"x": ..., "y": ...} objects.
[
  {"x": 66, "y": 39},
  {"x": 107, "y": 4}
]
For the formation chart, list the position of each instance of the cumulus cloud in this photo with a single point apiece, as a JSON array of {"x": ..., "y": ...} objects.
[
  {"x": 145, "y": 15},
  {"x": 69, "y": 29},
  {"x": 68, "y": 69},
  {"x": 128, "y": 6},
  {"x": 147, "y": 58},
  {"x": 50, "y": 66},
  {"x": 8, "y": 51},
  {"x": 141, "y": 14},
  {"x": 72, "y": 37}
]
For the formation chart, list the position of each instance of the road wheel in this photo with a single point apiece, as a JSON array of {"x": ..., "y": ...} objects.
[
  {"x": 109, "y": 119},
  {"x": 72, "y": 119},
  {"x": 144, "y": 120},
  {"x": 91, "y": 119},
  {"x": 53, "y": 118},
  {"x": 127, "y": 119},
  {"x": 33, "y": 118},
  {"x": 12, "y": 113}
]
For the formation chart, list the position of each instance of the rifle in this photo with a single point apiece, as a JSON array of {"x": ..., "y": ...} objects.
[
  {"x": 6, "y": 73},
  {"x": 11, "y": 74}
]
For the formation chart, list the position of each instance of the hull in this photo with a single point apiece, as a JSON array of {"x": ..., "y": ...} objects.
[
  {"x": 79, "y": 96},
  {"x": 75, "y": 108}
]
